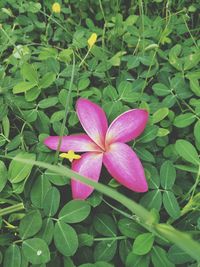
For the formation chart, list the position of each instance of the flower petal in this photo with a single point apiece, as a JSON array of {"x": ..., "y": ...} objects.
[
  {"x": 124, "y": 165},
  {"x": 77, "y": 143},
  {"x": 127, "y": 126},
  {"x": 90, "y": 166},
  {"x": 93, "y": 120}
]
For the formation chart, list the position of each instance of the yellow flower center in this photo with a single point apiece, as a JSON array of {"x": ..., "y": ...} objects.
[
  {"x": 92, "y": 40},
  {"x": 70, "y": 155},
  {"x": 56, "y": 8}
]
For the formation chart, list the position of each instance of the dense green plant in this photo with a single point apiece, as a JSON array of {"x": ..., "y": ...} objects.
[{"x": 146, "y": 55}]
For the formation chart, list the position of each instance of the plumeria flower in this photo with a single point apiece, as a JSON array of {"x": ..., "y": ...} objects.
[{"x": 106, "y": 145}]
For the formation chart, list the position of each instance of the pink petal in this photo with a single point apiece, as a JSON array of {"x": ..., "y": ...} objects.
[
  {"x": 127, "y": 126},
  {"x": 90, "y": 166},
  {"x": 77, "y": 143},
  {"x": 124, "y": 165},
  {"x": 93, "y": 120}
]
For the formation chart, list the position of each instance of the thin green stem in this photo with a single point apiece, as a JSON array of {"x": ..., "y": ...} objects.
[
  {"x": 141, "y": 10},
  {"x": 152, "y": 60},
  {"x": 186, "y": 25},
  {"x": 11, "y": 209},
  {"x": 66, "y": 110},
  {"x": 110, "y": 238},
  {"x": 102, "y": 11},
  {"x": 83, "y": 60},
  {"x": 10, "y": 40},
  {"x": 55, "y": 21}
]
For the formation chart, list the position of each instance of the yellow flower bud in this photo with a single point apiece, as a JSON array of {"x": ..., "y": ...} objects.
[
  {"x": 56, "y": 7},
  {"x": 92, "y": 40}
]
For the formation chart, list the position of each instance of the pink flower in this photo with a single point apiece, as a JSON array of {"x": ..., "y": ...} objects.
[{"x": 106, "y": 145}]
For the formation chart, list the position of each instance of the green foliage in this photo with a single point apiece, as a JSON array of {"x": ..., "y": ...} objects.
[{"x": 147, "y": 55}]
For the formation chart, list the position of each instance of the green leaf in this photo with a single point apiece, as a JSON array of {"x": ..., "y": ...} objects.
[
  {"x": 160, "y": 114},
  {"x": 19, "y": 171},
  {"x": 153, "y": 177},
  {"x": 83, "y": 84},
  {"x": 30, "y": 224},
  {"x": 161, "y": 89},
  {"x": 143, "y": 243},
  {"x": 39, "y": 191},
  {"x": 3, "y": 175},
  {"x": 110, "y": 92},
  {"x": 149, "y": 134},
  {"x": 36, "y": 251},
  {"x": 125, "y": 247},
  {"x": 30, "y": 115},
  {"x": 74, "y": 211},
  {"x": 132, "y": 61},
  {"x": 162, "y": 132},
  {"x": 171, "y": 205},
  {"x": 57, "y": 116},
  {"x": 12, "y": 257},
  {"x": 56, "y": 178},
  {"x": 29, "y": 73},
  {"x": 47, "y": 80},
  {"x": 178, "y": 256},
  {"x": 32, "y": 94},
  {"x": 184, "y": 120},
  {"x": 191, "y": 60},
  {"x": 192, "y": 169},
  {"x": 173, "y": 57},
  {"x": 180, "y": 87},
  {"x": 65, "y": 55},
  {"x": 48, "y": 102},
  {"x": 167, "y": 175},
  {"x": 197, "y": 131},
  {"x": 134, "y": 260},
  {"x": 23, "y": 87},
  {"x": 187, "y": 151},
  {"x": 152, "y": 199},
  {"x": 105, "y": 250},
  {"x": 51, "y": 201},
  {"x": 194, "y": 81},
  {"x": 116, "y": 59},
  {"x": 145, "y": 155},
  {"x": 129, "y": 228},
  {"x": 96, "y": 264},
  {"x": 105, "y": 225},
  {"x": 47, "y": 52},
  {"x": 6, "y": 126},
  {"x": 126, "y": 92},
  {"x": 42, "y": 122},
  {"x": 159, "y": 257},
  {"x": 46, "y": 231},
  {"x": 65, "y": 238},
  {"x": 85, "y": 240}
]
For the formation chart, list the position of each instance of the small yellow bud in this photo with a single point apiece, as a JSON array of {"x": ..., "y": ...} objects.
[
  {"x": 56, "y": 8},
  {"x": 70, "y": 155},
  {"x": 92, "y": 40}
]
